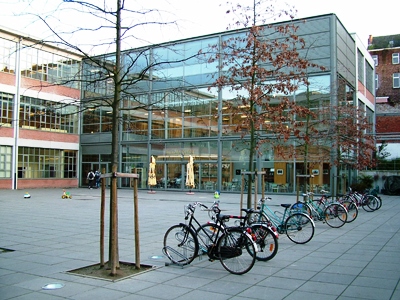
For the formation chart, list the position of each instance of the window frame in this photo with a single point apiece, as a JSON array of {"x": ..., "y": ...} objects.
[
  {"x": 395, "y": 58},
  {"x": 375, "y": 59},
  {"x": 396, "y": 80}
]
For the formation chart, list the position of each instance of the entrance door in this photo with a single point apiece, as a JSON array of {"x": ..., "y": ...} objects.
[
  {"x": 87, "y": 167},
  {"x": 175, "y": 175}
]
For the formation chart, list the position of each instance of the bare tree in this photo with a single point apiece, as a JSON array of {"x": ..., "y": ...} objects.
[{"x": 106, "y": 80}]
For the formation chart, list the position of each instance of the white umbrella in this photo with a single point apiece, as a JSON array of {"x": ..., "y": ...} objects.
[
  {"x": 190, "y": 173},
  {"x": 152, "y": 172}
]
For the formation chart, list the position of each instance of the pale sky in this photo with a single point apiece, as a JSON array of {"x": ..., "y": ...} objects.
[
  {"x": 363, "y": 17},
  {"x": 203, "y": 17}
]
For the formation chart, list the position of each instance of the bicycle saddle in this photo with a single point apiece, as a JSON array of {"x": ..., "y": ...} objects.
[{"x": 223, "y": 217}]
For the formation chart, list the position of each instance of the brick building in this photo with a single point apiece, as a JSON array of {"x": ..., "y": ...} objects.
[
  {"x": 39, "y": 123},
  {"x": 385, "y": 50}
]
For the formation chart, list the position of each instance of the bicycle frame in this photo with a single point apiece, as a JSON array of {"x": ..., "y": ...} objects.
[
  {"x": 272, "y": 216},
  {"x": 213, "y": 239},
  {"x": 314, "y": 207}
]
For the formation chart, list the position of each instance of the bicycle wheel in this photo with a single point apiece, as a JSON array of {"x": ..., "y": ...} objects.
[
  {"x": 352, "y": 210},
  {"x": 180, "y": 244},
  {"x": 206, "y": 236},
  {"x": 236, "y": 251},
  {"x": 299, "y": 228},
  {"x": 364, "y": 203},
  {"x": 373, "y": 203},
  {"x": 266, "y": 240},
  {"x": 379, "y": 201},
  {"x": 335, "y": 215},
  {"x": 301, "y": 207}
]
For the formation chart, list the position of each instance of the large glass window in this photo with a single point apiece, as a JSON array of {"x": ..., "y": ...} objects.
[
  {"x": 369, "y": 80},
  {"x": 134, "y": 157},
  {"x": 47, "y": 115},
  {"x": 361, "y": 62},
  {"x": 135, "y": 118},
  {"x": 6, "y": 109},
  {"x": 46, "y": 163},
  {"x": 96, "y": 81},
  {"x": 50, "y": 67},
  {"x": 7, "y": 56},
  {"x": 5, "y": 161}
]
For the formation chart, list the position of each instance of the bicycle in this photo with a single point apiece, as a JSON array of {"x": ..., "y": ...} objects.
[
  {"x": 348, "y": 203},
  {"x": 332, "y": 213},
  {"x": 264, "y": 235},
  {"x": 368, "y": 202},
  {"x": 233, "y": 247},
  {"x": 298, "y": 226}
]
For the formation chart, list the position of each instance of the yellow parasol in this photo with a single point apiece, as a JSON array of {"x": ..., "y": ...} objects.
[
  {"x": 152, "y": 172},
  {"x": 190, "y": 173}
]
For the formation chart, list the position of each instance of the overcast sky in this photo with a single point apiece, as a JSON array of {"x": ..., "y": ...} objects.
[{"x": 206, "y": 16}]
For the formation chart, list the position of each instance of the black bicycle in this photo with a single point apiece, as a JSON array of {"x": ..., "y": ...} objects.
[
  {"x": 233, "y": 247},
  {"x": 263, "y": 234}
]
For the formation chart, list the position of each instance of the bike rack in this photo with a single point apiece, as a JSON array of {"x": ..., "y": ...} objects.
[{"x": 175, "y": 252}]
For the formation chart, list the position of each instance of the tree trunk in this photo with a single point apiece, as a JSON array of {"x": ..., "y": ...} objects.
[{"x": 114, "y": 255}]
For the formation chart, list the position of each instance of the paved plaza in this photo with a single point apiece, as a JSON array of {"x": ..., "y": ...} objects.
[{"x": 50, "y": 236}]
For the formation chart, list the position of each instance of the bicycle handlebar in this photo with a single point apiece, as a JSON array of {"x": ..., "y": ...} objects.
[
  {"x": 263, "y": 199},
  {"x": 191, "y": 207}
]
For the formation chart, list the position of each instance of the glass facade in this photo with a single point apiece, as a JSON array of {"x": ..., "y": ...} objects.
[{"x": 170, "y": 110}]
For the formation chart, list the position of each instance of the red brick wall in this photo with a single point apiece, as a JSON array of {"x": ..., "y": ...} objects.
[
  {"x": 387, "y": 124},
  {"x": 25, "y": 183},
  {"x": 48, "y": 136},
  {"x": 37, "y": 85},
  {"x": 385, "y": 70},
  {"x": 5, "y": 184},
  {"x": 8, "y": 79},
  {"x": 50, "y": 88},
  {"x": 6, "y": 131}
]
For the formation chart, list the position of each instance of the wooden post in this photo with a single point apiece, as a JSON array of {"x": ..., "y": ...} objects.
[
  {"x": 241, "y": 194},
  {"x": 102, "y": 214},
  {"x": 262, "y": 186},
  {"x": 255, "y": 189},
  {"x": 114, "y": 259},
  {"x": 298, "y": 184},
  {"x": 136, "y": 222}
]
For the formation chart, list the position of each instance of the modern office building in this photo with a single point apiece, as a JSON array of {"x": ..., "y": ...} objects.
[
  {"x": 385, "y": 51},
  {"x": 183, "y": 116},
  {"x": 39, "y": 120}
]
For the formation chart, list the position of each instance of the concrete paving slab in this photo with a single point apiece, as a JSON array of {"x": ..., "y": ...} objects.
[{"x": 51, "y": 236}]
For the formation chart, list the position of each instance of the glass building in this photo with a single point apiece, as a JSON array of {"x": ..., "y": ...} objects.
[{"x": 170, "y": 110}]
